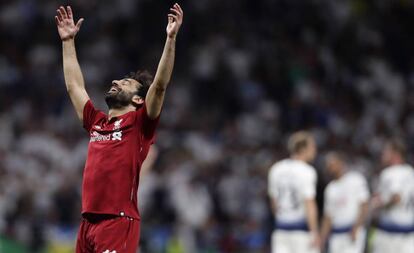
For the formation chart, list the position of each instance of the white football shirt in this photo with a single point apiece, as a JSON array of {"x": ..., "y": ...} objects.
[
  {"x": 397, "y": 179},
  {"x": 343, "y": 198},
  {"x": 290, "y": 183}
]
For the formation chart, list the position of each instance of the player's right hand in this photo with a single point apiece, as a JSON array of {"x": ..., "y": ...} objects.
[
  {"x": 65, "y": 24},
  {"x": 315, "y": 241}
]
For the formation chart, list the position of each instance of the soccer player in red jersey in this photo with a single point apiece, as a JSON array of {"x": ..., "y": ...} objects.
[{"x": 119, "y": 141}]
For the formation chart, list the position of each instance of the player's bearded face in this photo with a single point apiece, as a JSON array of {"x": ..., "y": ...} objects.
[{"x": 117, "y": 98}]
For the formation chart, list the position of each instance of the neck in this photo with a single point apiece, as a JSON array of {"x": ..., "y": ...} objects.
[
  {"x": 299, "y": 157},
  {"x": 340, "y": 174},
  {"x": 115, "y": 112},
  {"x": 397, "y": 161}
]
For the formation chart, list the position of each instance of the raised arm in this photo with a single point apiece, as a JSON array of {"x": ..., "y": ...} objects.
[
  {"x": 73, "y": 75},
  {"x": 155, "y": 96}
]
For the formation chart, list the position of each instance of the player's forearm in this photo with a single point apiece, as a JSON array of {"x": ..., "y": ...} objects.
[
  {"x": 71, "y": 69},
  {"x": 363, "y": 211},
  {"x": 326, "y": 228},
  {"x": 273, "y": 205},
  {"x": 166, "y": 65},
  {"x": 312, "y": 216}
]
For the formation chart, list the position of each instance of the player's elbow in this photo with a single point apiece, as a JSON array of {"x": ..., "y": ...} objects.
[
  {"x": 69, "y": 88},
  {"x": 160, "y": 84}
]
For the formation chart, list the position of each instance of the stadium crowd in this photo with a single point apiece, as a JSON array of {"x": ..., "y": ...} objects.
[{"x": 247, "y": 74}]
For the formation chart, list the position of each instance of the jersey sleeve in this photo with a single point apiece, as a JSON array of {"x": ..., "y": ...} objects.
[
  {"x": 149, "y": 125},
  {"x": 272, "y": 184},
  {"x": 361, "y": 185},
  {"x": 308, "y": 186},
  {"x": 89, "y": 115},
  {"x": 328, "y": 202}
]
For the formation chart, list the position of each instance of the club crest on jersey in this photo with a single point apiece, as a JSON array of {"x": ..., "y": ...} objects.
[
  {"x": 107, "y": 251},
  {"x": 117, "y": 124}
]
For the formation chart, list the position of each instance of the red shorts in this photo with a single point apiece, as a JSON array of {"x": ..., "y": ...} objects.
[{"x": 115, "y": 235}]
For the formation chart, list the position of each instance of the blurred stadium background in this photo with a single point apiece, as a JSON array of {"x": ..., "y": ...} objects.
[{"x": 247, "y": 74}]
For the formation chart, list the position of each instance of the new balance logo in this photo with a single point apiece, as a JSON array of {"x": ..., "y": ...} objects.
[{"x": 107, "y": 251}]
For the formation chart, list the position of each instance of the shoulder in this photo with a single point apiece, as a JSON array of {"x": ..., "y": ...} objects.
[
  {"x": 330, "y": 187},
  {"x": 308, "y": 169},
  {"x": 280, "y": 164},
  {"x": 387, "y": 172},
  {"x": 355, "y": 176},
  {"x": 276, "y": 167},
  {"x": 397, "y": 171}
]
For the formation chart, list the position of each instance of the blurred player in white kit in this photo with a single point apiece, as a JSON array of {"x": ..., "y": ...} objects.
[
  {"x": 395, "y": 200},
  {"x": 346, "y": 206},
  {"x": 292, "y": 190}
]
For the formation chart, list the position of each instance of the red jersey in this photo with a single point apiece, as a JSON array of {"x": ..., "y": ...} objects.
[{"x": 116, "y": 151}]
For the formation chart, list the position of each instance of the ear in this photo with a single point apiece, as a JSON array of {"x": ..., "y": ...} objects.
[{"x": 137, "y": 100}]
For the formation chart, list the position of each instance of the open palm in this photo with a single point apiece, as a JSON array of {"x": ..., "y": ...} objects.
[{"x": 65, "y": 24}]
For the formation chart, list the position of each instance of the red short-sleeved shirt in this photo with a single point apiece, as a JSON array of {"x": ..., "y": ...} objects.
[{"x": 116, "y": 151}]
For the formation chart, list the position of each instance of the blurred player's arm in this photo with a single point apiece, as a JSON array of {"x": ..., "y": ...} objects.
[
  {"x": 272, "y": 190},
  {"x": 326, "y": 229},
  {"x": 312, "y": 220},
  {"x": 75, "y": 84},
  {"x": 378, "y": 202},
  {"x": 311, "y": 209},
  {"x": 362, "y": 215},
  {"x": 155, "y": 97},
  {"x": 149, "y": 161},
  {"x": 273, "y": 205}
]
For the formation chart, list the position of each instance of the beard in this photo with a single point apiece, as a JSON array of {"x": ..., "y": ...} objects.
[{"x": 118, "y": 100}]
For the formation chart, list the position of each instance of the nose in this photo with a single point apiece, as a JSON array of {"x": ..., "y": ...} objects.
[{"x": 115, "y": 82}]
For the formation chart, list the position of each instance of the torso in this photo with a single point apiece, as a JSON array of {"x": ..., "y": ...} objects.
[{"x": 116, "y": 151}]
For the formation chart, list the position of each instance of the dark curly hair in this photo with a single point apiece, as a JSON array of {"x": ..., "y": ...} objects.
[{"x": 144, "y": 78}]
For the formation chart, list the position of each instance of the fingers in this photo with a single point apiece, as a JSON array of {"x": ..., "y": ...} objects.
[
  {"x": 69, "y": 10},
  {"x": 63, "y": 12},
  {"x": 179, "y": 8},
  {"x": 60, "y": 15},
  {"x": 170, "y": 20},
  {"x": 175, "y": 11},
  {"x": 79, "y": 23},
  {"x": 172, "y": 16},
  {"x": 57, "y": 21}
]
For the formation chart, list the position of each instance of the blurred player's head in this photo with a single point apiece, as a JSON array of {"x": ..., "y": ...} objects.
[
  {"x": 335, "y": 164},
  {"x": 130, "y": 90},
  {"x": 393, "y": 152},
  {"x": 302, "y": 146}
]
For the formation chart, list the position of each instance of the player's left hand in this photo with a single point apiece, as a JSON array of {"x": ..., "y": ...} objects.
[{"x": 175, "y": 19}]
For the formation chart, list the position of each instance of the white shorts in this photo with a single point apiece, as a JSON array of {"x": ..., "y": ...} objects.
[
  {"x": 386, "y": 242},
  {"x": 342, "y": 243},
  {"x": 284, "y": 241}
]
